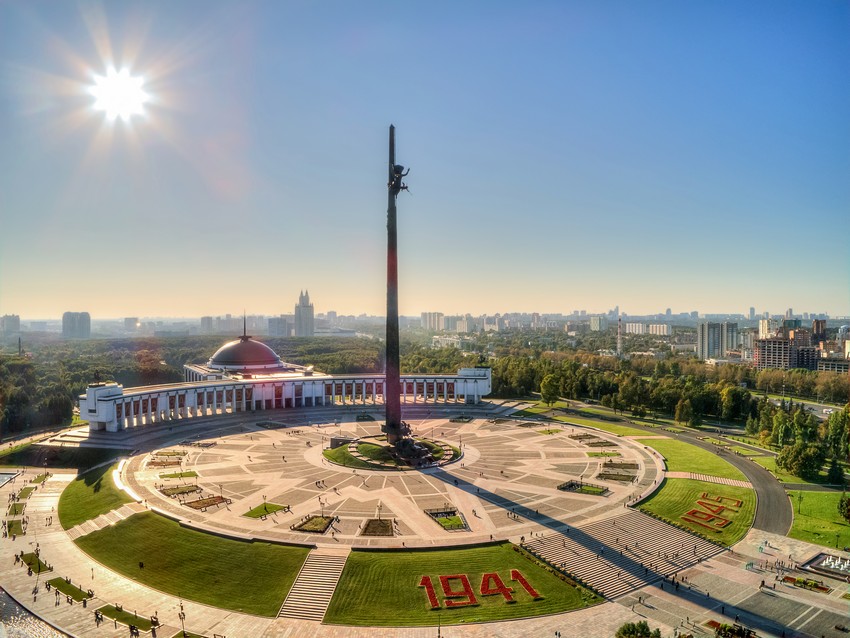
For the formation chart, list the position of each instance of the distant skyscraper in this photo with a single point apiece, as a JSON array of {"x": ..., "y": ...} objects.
[
  {"x": 752, "y": 313},
  {"x": 206, "y": 325},
  {"x": 131, "y": 324},
  {"x": 304, "y": 316},
  {"x": 709, "y": 339},
  {"x": 76, "y": 325},
  {"x": 789, "y": 314}
]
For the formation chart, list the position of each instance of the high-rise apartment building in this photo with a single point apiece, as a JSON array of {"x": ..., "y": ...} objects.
[
  {"x": 714, "y": 340},
  {"x": 773, "y": 352},
  {"x": 304, "y": 316},
  {"x": 818, "y": 331},
  {"x": 633, "y": 328},
  {"x": 709, "y": 340},
  {"x": 432, "y": 321},
  {"x": 10, "y": 324},
  {"x": 659, "y": 329},
  {"x": 598, "y": 323},
  {"x": 206, "y": 325},
  {"x": 767, "y": 328},
  {"x": 728, "y": 337},
  {"x": 281, "y": 326},
  {"x": 76, "y": 325}
]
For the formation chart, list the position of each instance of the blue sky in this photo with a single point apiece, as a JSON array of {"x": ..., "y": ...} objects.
[{"x": 565, "y": 155}]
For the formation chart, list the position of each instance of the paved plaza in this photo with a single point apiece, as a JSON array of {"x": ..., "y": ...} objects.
[{"x": 505, "y": 485}]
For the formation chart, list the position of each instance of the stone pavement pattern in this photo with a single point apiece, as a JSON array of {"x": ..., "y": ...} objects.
[{"x": 505, "y": 463}]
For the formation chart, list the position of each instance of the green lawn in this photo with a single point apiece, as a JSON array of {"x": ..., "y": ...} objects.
[
  {"x": 253, "y": 578},
  {"x": 549, "y": 431},
  {"x": 684, "y": 457},
  {"x": 450, "y": 523},
  {"x": 14, "y": 526},
  {"x": 41, "y": 478},
  {"x": 35, "y": 563},
  {"x": 17, "y": 509},
  {"x": 383, "y": 588},
  {"x": 603, "y": 453},
  {"x": 594, "y": 490},
  {"x": 379, "y": 453},
  {"x": 613, "y": 428},
  {"x": 126, "y": 617},
  {"x": 25, "y": 493},
  {"x": 713, "y": 441},
  {"x": 678, "y": 496},
  {"x": 341, "y": 456},
  {"x": 90, "y": 495},
  {"x": 754, "y": 441},
  {"x": 263, "y": 509},
  {"x": 816, "y": 519},
  {"x": 68, "y": 589},
  {"x": 172, "y": 475},
  {"x": 743, "y": 451},
  {"x": 80, "y": 458},
  {"x": 769, "y": 463}
]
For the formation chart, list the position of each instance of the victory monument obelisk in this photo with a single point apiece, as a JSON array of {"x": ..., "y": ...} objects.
[{"x": 394, "y": 428}]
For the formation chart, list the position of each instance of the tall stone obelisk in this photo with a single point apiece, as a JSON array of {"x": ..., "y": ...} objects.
[{"x": 394, "y": 428}]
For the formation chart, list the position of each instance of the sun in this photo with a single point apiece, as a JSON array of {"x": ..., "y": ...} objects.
[{"x": 119, "y": 94}]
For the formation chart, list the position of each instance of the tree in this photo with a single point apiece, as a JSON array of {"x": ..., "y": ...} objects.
[
  {"x": 844, "y": 507},
  {"x": 801, "y": 459},
  {"x": 835, "y": 475},
  {"x": 637, "y": 630},
  {"x": 549, "y": 389},
  {"x": 684, "y": 412}
]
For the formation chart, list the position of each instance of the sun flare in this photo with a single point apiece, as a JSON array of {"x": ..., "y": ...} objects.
[{"x": 119, "y": 94}]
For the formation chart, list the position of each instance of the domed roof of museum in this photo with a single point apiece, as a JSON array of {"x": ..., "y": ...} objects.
[{"x": 244, "y": 353}]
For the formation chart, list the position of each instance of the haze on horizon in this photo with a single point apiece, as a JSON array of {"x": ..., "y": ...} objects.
[{"x": 564, "y": 155}]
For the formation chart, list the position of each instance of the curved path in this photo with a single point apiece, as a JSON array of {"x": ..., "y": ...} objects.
[{"x": 773, "y": 508}]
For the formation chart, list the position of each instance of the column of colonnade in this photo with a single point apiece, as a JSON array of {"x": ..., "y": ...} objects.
[{"x": 139, "y": 410}]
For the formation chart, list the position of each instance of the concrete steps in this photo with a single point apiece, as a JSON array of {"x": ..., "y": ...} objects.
[
  {"x": 616, "y": 556},
  {"x": 315, "y": 585}
]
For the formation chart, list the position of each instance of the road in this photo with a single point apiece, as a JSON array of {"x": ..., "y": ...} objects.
[{"x": 774, "y": 513}]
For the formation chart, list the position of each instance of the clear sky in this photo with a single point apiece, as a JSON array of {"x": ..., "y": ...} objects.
[{"x": 565, "y": 155}]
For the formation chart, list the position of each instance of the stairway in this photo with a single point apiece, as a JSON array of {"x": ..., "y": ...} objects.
[
  {"x": 618, "y": 555},
  {"x": 315, "y": 585}
]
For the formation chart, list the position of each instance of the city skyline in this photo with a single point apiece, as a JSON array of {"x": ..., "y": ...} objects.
[{"x": 690, "y": 156}]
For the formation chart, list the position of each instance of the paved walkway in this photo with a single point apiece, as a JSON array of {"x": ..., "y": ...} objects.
[
  {"x": 105, "y": 520},
  {"x": 709, "y": 479}
]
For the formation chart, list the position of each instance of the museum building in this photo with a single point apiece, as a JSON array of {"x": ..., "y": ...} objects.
[{"x": 247, "y": 375}]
